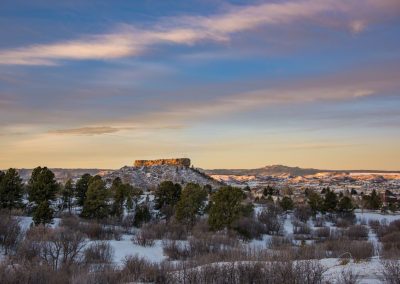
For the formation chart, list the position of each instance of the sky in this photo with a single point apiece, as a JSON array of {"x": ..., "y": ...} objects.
[{"x": 229, "y": 84}]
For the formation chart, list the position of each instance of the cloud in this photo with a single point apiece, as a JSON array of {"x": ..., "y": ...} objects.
[
  {"x": 98, "y": 130},
  {"x": 358, "y": 26},
  {"x": 316, "y": 146},
  {"x": 128, "y": 40}
]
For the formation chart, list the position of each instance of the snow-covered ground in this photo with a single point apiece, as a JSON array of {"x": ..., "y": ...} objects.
[
  {"x": 369, "y": 271},
  {"x": 125, "y": 247},
  {"x": 376, "y": 215}
]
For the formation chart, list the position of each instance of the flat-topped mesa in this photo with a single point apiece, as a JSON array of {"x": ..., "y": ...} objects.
[{"x": 180, "y": 162}]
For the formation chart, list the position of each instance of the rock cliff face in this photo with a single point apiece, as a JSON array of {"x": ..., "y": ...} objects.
[{"x": 180, "y": 162}]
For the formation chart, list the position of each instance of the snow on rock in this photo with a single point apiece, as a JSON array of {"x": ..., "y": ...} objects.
[{"x": 151, "y": 177}]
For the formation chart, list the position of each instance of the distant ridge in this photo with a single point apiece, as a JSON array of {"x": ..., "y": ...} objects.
[{"x": 286, "y": 170}]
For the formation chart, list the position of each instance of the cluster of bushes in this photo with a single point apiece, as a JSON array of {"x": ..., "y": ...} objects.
[{"x": 389, "y": 235}]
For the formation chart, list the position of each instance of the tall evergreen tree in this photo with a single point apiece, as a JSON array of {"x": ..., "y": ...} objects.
[
  {"x": 374, "y": 201},
  {"x": 330, "y": 201},
  {"x": 166, "y": 197},
  {"x": 67, "y": 195},
  {"x": 226, "y": 207},
  {"x": 345, "y": 204},
  {"x": 119, "y": 195},
  {"x": 81, "y": 188},
  {"x": 43, "y": 214},
  {"x": 10, "y": 189},
  {"x": 191, "y": 204},
  {"x": 315, "y": 201},
  {"x": 96, "y": 205},
  {"x": 42, "y": 189},
  {"x": 286, "y": 203}
]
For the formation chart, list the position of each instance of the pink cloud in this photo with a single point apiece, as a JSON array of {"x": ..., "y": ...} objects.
[{"x": 128, "y": 41}]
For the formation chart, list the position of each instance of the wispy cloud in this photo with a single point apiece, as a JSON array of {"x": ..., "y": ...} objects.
[
  {"x": 86, "y": 130},
  {"x": 128, "y": 40},
  {"x": 100, "y": 130}
]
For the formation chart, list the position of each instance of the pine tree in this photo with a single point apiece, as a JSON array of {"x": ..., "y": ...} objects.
[
  {"x": 315, "y": 201},
  {"x": 96, "y": 205},
  {"x": 142, "y": 215},
  {"x": 191, "y": 204},
  {"x": 120, "y": 192},
  {"x": 226, "y": 207},
  {"x": 166, "y": 197},
  {"x": 10, "y": 189},
  {"x": 286, "y": 203},
  {"x": 330, "y": 201},
  {"x": 67, "y": 195},
  {"x": 82, "y": 186},
  {"x": 345, "y": 204},
  {"x": 43, "y": 214},
  {"x": 374, "y": 201},
  {"x": 42, "y": 189}
]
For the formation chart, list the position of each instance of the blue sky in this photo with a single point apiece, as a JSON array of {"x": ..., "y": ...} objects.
[{"x": 230, "y": 84}]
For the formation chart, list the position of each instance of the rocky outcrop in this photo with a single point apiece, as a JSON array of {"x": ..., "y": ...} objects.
[
  {"x": 180, "y": 162},
  {"x": 149, "y": 177}
]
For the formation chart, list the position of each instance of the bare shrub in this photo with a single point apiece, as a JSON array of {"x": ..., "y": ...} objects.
[
  {"x": 357, "y": 232},
  {"x": 140, "y": 270},
  {"x": 103, "y": 275},
  {"x": 272, "y": 219},
  {"x": 344, "y": 220},
  {"x": 300, "y": 228},
  {"x": 308, "y": 271},
  {"x": 363, "y": 221},
  {"x": 322, "y": 233},
  {"x": 93, "y": 229},
  {"x": 307, "y": 252},
  {"x": 172, "y": 230},
  {"x": 336, "y": 234},
  {"x": 175, "y": 250},
  {"x": 176, "y": 231},
  {"x": 144, "y": 238},
  {"x": 9, "y": 233},
  {"x": 375, "y": 225},
  {"x": 128, "y": 222},
  {"x": 391, "y": 271},
  {"x": 32, "y": 273},
  {"x": 391, "y": 245},
  {"x": 277, "y": 242},
  {"x": 284, "y": 272},
  {"x": 58, "y": 247},
  {"x": 211, "y": 243},
  {"x": 70, "y": 221},
  {"x": 97, "y": 231},
  {"x": 357, "y": 249},
  {"x": 361, "y": 249},
  {"x": 99, "y": 253},
  {"x": 348, "y": 276},
  {"x": 319, "y": 221},
  {"x": 302, "y": 213},
  {"x": 249, "y": 228},
  {"x": 389, "y": 235}
]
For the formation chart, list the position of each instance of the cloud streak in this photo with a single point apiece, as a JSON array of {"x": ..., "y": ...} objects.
[{"x": 128, "y": 40}]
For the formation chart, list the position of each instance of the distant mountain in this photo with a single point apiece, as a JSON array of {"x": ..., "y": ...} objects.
[
  {"x": 285, "y": 170},
  {"x": 149, "y": 177}
]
